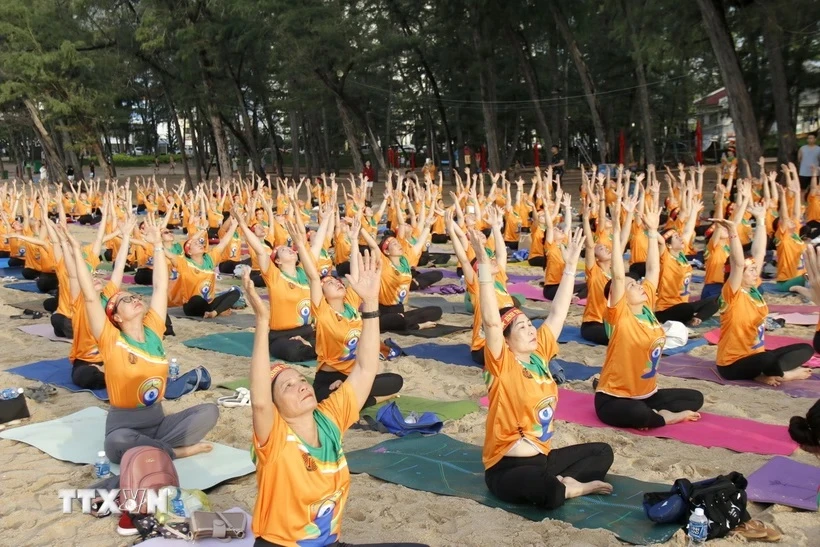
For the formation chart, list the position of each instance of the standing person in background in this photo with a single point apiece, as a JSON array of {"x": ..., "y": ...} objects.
[
  {"x": 808, "y": 157},
  {"x": 429, "y": 169},
  {"x": 468, "y": 159},
  {"x": 369, "y": 176},
  {"x": 557, "y": 165}
]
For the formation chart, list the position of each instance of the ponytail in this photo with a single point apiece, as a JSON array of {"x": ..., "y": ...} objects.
[{"x": 806, "y": 431}]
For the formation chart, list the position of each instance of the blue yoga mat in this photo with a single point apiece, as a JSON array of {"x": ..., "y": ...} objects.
[
  {"x": 25, "y": 286},
  {"x": 698, "y": 279},
  {"x": 573, "y": 334},
  {"x": 771, "y": 288},
  {"x": 4, "y": 262},
  {"x": 16, "y": 273},
  {"x": 576, "y": 371},
  {"x": 689, "y": 346},
  {"x": 56, "y": 372},
  {"x": 451, "y": 354}
]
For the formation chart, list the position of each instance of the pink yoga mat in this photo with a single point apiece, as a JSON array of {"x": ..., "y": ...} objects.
[
  {"x": 737, "y": 434},
  {"x": 793, "y": 308},
  {"x": 802, "y": 319},
  {"x": 771, "y": 342},
  {"x": 530, "y": 292}
]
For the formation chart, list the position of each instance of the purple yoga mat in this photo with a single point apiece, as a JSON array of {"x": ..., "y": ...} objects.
[
  {"x": 793, "y": 308},
  {"x": 786, "y": 482},
  {"x": 688, "y": 366},
  {"x": 448, "y": 288},
  {"x": 511, "y": 278}
]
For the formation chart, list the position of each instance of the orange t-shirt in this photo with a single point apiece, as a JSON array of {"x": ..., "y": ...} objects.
[
  {"x": 395, "y": 282},
  {"x": 716, "y": 254},
  {"x": 522, "y": 399},
  {"x": 302, "y": 489},
  {"x": 84, "y": 346},
  {"x": 789, "y": 255},
  {"x": 343, "y": 247},
  {"x": 63, "y": 290},
  {"x": 742, "y": 324},
  {"x": 813, "y": 208},
  {"x": 233, "y": 252},
  {"x": 596, "y": 301},
  {"x": 504, "y": 301},
  {"x": 638, "y": 244},
  {"x": 512, "y": 224},
  {"x": 676, "y": 275},
  {"x": 291, "y": 296},
  {"x": 634, "y": 351},
  {"x": 555, "y": 264},
  {"x": 324, "y": 264},
  {"x": 196, "y": 279},
  {"x": 337, "y": 334},
  {"x": 537, "y": 242},
  {"x": 135, "y": 372}
]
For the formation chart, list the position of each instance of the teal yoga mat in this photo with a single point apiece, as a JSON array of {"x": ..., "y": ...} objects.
[
  {"x": 232, "y": 343},
  {"x": 445, "y": 466}
]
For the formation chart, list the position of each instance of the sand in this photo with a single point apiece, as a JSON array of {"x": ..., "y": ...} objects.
[{"x": 378, "y": 511}]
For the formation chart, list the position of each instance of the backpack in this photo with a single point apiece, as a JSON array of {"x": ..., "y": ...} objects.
[
  {"x": 723, "y": 500},
  {"x": 144, "y": 467},
  {"x": 392, "y": 418}
]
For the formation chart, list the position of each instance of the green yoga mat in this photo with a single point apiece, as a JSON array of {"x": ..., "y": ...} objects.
[
  {"x": 446, "y": 410},
  {"x": 445, "y": 466},
  {"x": 145, "y": 290},
  {"x": 232, "y": 343}
]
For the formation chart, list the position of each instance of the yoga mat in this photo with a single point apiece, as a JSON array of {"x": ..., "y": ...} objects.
[
  {"x": 771, "y": 341},
  {"x": 445, "y": 466},
  {"x": 447, "y": 288},
  {"x": 530, "y": 292},
  {"x": 688, "y": 366},
  {"x": 128, "y": 279},
  {"x": 438, "y": 331},
  {"x": 771, "y": 288},
  {"x": 36, "y": 304},
  {"x": 571, "y": 333},
  {"x": 446, "y": 410},
  {"x": 238, "y": 320},
  {"x": 736, "y": 434},
  {"x": 4, "y": 262},
  {"x": 232, "y": 343},
  {"x": 511, "y": 277},
  {"x": 78, "y": 437},
  {"x": 448, "y": 274},
  {"x": 247, "y": 541},
  {"x": 460, "y": 308},
  {"x": 793, "y": 308},
  {"x": 686, "y": 348},
  {"x": 449, "y": 354},
  {"x": 576, "y": 371},
  {"x": 45, "y": 330},
  {"x": 56, "y": 372},
  {"x": 786, "y": 482},
  {"x": 16, "y": 273},
  {"x": 802, "y": 319},
  {"x": 144, "y": 290},
  {"x": 25, "y": 286}
]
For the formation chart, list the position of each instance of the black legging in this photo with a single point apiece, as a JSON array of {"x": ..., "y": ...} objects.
[
  {"x": 594, "y": 332},
  {"x": 30, "y": 274},
  {"x": 533, "y": 480},
  {"x": 422, "y": 280},
  {"x": 439, "y": 238},
  {"x": 256, "y": 277},
  {"x": 87, "y": 376},
  {"x": 638, "y": 269},
  {"x": 397, "y": 319},
  {"x": 772, "y": 362},
  {"x": 540, "y": 261},
  {"x": 343, "y": 268},
  {"x": 580, "y": 291},
  {"x": 144, "y": 276},
  {"x": 62, "y": 325},
  {"x": 640, "y": 413},
  {"x": 198, "y": 306},
  {"x": 15, "y": 262},
  {"x": 282, "y": 347},
  {"x": 88, "y": 219},
  {"x": 47, "y": 282},
  {"x": 478, "y": 356},
  {"x": 228, "y": 266},
  {"x": 51, "y": 303},
  {"x": 384, "y": 384},
  {"x": 816, "y": 341},
  {"x": 686, "y": 311},
  {"x": 512, "y": 245}
]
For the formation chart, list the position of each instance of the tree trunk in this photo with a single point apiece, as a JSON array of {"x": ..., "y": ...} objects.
[
  {"x": 247, "y": 126},
  {"x": 486, "y": 84},
  {"x": 740, "y": 102},
  {"x": 786, "y": 140},
  {"x": 70, "y": 154},
  {"x": 350, "y": 133},
  {"x": 100, "y": 153},
  {"x": 46, "y": 142},
  {"x": 274, "y": 146},
  {"x": 218, "y": 130},
  {"x": 586, "y": 79},
  {"x": 326, "y": 141},
  {"x": 294, "y": 144},
  {"x": 196, "y": 145},
  {"x": 180, "y": 137}
]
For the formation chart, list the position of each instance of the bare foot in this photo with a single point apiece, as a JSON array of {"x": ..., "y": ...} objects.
[
  {"x": 209, "y": 314},
  {"x": 804, "y": 292},
  {"x": 678, "y": 417},
  {"x": 427, "y": 325},
  {"x": 800, "y": 373},
  {"x": 198, "y": 448},
  {"x": 226, "y": 313},
  {"x": 773, "y": 381},
  {"x": 695, "y": 322},
  {"x": 575, "y": 489}
]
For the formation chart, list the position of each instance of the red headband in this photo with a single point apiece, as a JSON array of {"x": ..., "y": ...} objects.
[
  {"x": 509, "y": 317},
  {"x": 276, "y": 370},
  {"x": 386, "y": 243},
  {"x": 111, "y": 305}
]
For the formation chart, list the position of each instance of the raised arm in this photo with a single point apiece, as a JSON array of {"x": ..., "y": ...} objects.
[
  {"x": 563, "y": 297},
  {"x": 490, "y": 316},
  {"x": 262, "y": 255},
  {"x": 159, "y": 280},
  {"x": 262, "y": 407},
  {"x": 496, "y": 219},
  {"x": 299, "y": 239},
  {"x": 95, "y": 312},
  {"x": 589, "y": 241},
  {"x": 226, "y": 237},
  {"x": 652, "y": 220}
]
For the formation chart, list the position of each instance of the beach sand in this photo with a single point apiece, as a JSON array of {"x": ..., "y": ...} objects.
[{"x": 378, "y": 511}]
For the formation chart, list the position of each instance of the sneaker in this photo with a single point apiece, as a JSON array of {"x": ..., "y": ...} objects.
[{"x": 126, "y": 527}]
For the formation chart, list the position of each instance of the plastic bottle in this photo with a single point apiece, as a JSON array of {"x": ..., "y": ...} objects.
[
  {"x": 173, "y": 369},
  {"x": 698, "y": 529},
  {"x": 411, "y": 418},
  {"x": 462, "y": 283},
  {"x": 11, "y": 393},
  {"x": 102, "y": 467}
]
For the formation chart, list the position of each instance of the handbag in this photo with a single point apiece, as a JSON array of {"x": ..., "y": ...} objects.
[{"x": 218, "y": 525}]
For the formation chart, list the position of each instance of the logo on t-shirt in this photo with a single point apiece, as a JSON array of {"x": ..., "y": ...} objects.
[
  {"x": 760, "y": 336},
  {"x": 304, "y": 311},
  {"x": 686, "y": 280},
  {"x": 654, "y": 358},
  {"x": 350, "y": 345},
  {"x": 148, "y": 392},
  {"x": 402, "y": 295},
  {"x": 323, "y": 515},
  {"x": 544, "y": 412}
]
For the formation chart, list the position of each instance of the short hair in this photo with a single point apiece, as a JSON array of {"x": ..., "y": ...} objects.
[{"x": 608, "y": 286}]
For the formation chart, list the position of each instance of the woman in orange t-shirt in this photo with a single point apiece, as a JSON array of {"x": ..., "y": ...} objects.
[
  {"x": 555, "y": 245},
  {"x": 537, "y": 257},
  {"x": 627, "y": 394},
  {"x": 519, "y": 462},
  {"x": 741, "y": 353}
]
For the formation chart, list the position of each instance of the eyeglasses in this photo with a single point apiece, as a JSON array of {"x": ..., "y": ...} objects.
[{"x": 127, "y": 300}]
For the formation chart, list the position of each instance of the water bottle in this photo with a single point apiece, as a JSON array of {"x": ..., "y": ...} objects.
[
  {"x": 102, "y": 467},
  {"x": 411, "y": 418},
  {"x": 173, "y": 369},
  {"x": 10, "y": 393},
  {"x": 462, "y": 283},
  {"x": 698, "y": 527}
]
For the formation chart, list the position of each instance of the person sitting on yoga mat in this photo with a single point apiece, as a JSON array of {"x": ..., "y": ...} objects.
[
  {"x": 338, "y": 326},
  {"x": 39, "y": 261},
  {"x": 301, "y": 469},
  {"x": 129, "y": 337},
  {"x": 717, "y": 250},
  {"x": 413, "y": 246},
  {"x": 741, "y": 353},
  {"x": 537, "y": 255},
  {"x": 513, "y": 221},
  {"x": 144, "y": 252},
  {"x": 196, "y": 281},
  {"x": 498, "y": 267},
  {"x": 556, "y": 247},
  {"x": 788, "y": 245},
  {"x": 232, "y": 254},
  {"x": 342, "y": 244},
  {"x": 676, "y": 272},
  {"x": 598, "y": 262},
  {"x": 520, "y": 465},
  {"x": 395, "y": 286},
  {"x": 627, "y": 394},
  {"x": 806, "y": 431},
  {"x": 812, "y": 259}
]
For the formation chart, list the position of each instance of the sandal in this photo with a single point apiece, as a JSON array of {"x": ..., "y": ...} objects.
[
  {"x": 748, "y": 530},
  {"x": 42, "y": 393},
  {"x": 241, "y": 397},
  {"x": 773, "y": 535}
]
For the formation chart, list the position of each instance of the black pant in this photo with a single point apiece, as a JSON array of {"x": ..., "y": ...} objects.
[
  {"x": 686, "y": 311},
  {"x": 478, "y": 356},
  {"x": 594, "y": 332},
  {"x": 62, "y": 326},
  {"x": 550, "y": 291},
  {"x": 439, "y": 238},
  {"x": 768, "y": 363},
  {"x": 47, "y": 282},
  {"x": 540, "y": 261},
  {"x": 144, "y": 276},
  {"x": 198, "y": 306},
  {"x": 816, "y": 341},
  {"x": 512, "y": 245},
  {"x": 640, "y": 413},
  {"x": 256, "y": 277},
  {"x": 108, "y": 255},
  {"x": 282, "y": 347},
  {"x": 213, "y": 233},
  {"x": 534, "y": 481},
  {"x": 30, "y": 274},
  {"x": 51, "y": 303},
  {"x": 87, "y": 376},
  {"x": 385, "y": 384},
  {"x": 395, "y": 318},
  {"x": 15, "y": 262},
  {"x": 228, "y": 266},
  {"x": 88, "y": 219},
  {"x": 422, "y": 280}
]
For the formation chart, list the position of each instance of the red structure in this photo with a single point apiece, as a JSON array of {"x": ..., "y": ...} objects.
[
  {"x": 699, "y": 144},
  {"x": 621, "y": 147},
  {"x": 536, "y": 154}
]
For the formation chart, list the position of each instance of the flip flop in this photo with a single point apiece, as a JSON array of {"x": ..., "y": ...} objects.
[
  {"x": 241, "y": 397},
  {"x": 747, "y": 530}
]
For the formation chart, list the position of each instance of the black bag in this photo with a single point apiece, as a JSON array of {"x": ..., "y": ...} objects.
[
  {"x": 723, "y": 500},
  {"x": 13, "y": 409}
]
